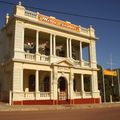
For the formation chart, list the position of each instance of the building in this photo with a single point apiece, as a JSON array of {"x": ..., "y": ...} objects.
[
  {"x": 111, "y": 82},
  {"x": 44, "y": 60}
]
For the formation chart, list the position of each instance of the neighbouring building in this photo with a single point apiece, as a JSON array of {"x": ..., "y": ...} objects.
[
  {"x": 44, "y": 60},
  {"x": 111, "y": 82}
]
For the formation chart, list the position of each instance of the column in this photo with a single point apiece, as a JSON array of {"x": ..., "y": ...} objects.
[
  {"x": 51, "y": 86},
  {"x": 94, "y": 85},
  {"x": 82, "y": 85},
  {"x": 17, "y": 78},
  {"x": 70, "y": 90},
  {"x": 37, "y": 81},
  {"x": 51, "y": 47},
  {"x": 23, "y": 32},
  {"x": 17, "y": 89},
  {"x": 93, "y": 53},
  {"x": 55, "y": 85},
  {"x": 81, "y": 57},
  {"x": 37, "y": 41},
  {"x": 67, "y": 47},
  {"x": 54, "y": 45},
  {"x": 70, "y": 49},
  {"x": 19, "y": 40}
]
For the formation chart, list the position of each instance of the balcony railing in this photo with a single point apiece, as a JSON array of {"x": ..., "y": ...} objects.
[
  {"x": 77, "y": 95},
  {"x": 87, "y": 93},
  {"x": 30, "y": 56},
  {"x": 30, "y": 14},
  {"x": 46, "y": 59},
  {"x": 86, "y": 64},
  {"x": 29, "y": 95},
  {"x": 44, "y": 94},
  {"x": 77, "y": 63},
  {"x": 84, "y": 30}
]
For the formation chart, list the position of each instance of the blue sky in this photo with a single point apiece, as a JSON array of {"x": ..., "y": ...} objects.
[{"x": 107, "y": 32}]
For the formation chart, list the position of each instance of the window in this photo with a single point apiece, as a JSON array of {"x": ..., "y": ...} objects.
[
  {"x": 87, "y": 83},
  {"x": 32, "y": 83},
  {"x": 46, "y": 84}
]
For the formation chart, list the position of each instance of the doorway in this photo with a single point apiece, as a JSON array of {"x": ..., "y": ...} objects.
[{"x": 62, "y": 88}]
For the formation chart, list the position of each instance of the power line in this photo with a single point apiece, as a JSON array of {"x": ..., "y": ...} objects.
[{"x": 66, "y": 13}]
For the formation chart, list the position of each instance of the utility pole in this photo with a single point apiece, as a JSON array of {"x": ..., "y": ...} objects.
[
  {"x": 118, "y": 83},
  {"x": 112, "y": 84},
  {"x": 103, "y": 81}
]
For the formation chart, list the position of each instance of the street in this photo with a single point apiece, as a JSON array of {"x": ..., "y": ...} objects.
[{"x": 76, "y": 114}]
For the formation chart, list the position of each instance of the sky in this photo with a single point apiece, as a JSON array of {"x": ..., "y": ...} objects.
[{"x": 108, "y": 44}]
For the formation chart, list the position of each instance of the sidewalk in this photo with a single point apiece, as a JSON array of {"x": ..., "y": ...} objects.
[{"x": 7, "y": 107}]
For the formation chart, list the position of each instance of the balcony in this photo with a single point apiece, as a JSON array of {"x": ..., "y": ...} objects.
[{"x": 37, "y": 58}]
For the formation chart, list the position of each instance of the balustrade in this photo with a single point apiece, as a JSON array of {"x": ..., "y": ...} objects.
[
  {"x": 30, "y": 13},
  {"x": 30, "y": 56}
]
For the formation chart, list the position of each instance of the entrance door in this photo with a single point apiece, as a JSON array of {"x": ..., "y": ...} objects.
[{"x": 62, "y": 89}]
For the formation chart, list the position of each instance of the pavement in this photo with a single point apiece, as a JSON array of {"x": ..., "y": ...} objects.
[{"x": 6, "y": 107}]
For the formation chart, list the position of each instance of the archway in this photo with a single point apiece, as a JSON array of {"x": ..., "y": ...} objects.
[{"x": 62, "y": 88}]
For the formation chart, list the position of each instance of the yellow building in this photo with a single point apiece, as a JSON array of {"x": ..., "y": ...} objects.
[{"x": 43, "y": 60}]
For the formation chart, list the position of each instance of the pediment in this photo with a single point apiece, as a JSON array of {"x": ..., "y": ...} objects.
[{"x": 64, "y": 62}]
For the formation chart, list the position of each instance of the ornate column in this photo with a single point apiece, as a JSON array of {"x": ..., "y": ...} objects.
[
  {"x": 70, "y": 49},
  {"x": 23, "y": 32},
  {"x": 37, "y": 81},
  {"x": 71, "y": 93},
  {"x": 81, "y": 56},
  {"x": 37, "y": 46},
  {"x": 51, "y": 86},
  {"x": 82, "y": 85},
  {"x": 67, "y": 47},
  {"x": 51, "y": 47},
  {"x": 37, "y": 41},
  {"x": 55, "y": 85},
  {"x": 54, "y": 45}
]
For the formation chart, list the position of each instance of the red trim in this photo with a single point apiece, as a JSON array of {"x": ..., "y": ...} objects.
[
  {"x": 17, "y": 103},
  {"x": 51, "y": 102},
  {"x": 86, "y": 101}
]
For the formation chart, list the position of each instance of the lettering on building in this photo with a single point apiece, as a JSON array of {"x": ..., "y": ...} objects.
[{"x": 59, "y": 23}]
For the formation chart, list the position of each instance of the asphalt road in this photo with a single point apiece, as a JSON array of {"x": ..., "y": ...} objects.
[{"x": 79, "y": 114}]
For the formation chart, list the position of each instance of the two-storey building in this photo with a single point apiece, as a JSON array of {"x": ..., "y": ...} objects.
[{"x": 44, "y": 60}]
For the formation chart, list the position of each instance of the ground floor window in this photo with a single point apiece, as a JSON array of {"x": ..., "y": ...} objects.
[
  {"x": 46, "y": 84},
  {"x": 77, "y": 83},
  {"x": 87, "y": 83},
  {"x": 32, "y": 83}
]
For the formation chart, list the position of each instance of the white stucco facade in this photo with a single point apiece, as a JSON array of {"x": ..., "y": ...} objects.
[{"x": 44, "y": 60}]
